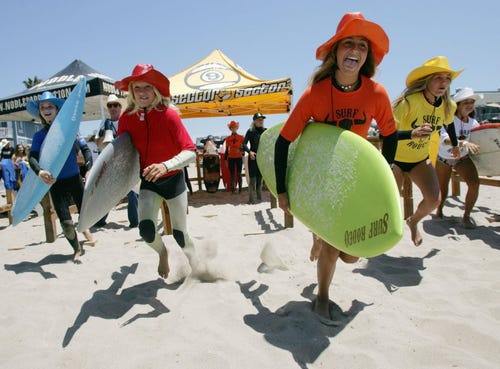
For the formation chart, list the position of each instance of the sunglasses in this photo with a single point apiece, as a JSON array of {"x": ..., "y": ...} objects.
[{"x": 113, "y": 105}]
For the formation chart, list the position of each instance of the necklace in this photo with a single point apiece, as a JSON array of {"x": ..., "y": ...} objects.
[
  {"x": 346, "y": 88},
  {"x": 462, "y": 132}
]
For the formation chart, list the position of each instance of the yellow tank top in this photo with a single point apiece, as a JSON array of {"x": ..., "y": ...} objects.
[{"x": 411, "y": 113}]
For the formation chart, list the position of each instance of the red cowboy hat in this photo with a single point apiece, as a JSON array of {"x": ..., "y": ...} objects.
[
  {"x": 233, "y": 123},
  {"x": 355, "y": 24},
  {"x": 146, "y": 73}
]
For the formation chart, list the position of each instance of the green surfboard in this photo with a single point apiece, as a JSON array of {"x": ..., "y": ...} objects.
[{"x": 339, "y": 186}]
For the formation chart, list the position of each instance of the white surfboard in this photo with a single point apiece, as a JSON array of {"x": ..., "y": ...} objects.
[
  {"x": 487, "y": 160},
  {"x": 113, "y": 175}
]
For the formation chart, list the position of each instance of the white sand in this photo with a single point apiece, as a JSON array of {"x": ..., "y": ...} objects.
[{"x": 436, "y": 306}]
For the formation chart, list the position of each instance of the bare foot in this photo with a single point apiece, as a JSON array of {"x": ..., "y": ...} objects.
[
  {"x": 76, "y": 256},
  {"x": 163, "y": 267},
  {"x": 322, "y": 308},
  {"x": 77, "y": 249},
  {"x": 468, "y": 222},
  {"x": 415, "y": 234},
  {"x": 494, "y": 218},
  {"x": 89, "y": 239}
]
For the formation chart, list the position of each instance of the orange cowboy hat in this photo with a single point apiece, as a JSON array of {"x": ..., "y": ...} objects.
[
  {"x": 146, "y": 73},
  {"x": 438, "y": 64},
  {"x": 233, "y": 124},
  {"x": 355, "y": 24}
]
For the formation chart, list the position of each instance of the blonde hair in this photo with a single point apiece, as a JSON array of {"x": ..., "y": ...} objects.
[
  {"x": 419, "y": 86},
  {"x": 159, "y": 100}
]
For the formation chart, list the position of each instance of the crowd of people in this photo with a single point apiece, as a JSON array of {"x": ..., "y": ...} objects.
[
  {"x": 342, "y": 82},
  {"x": 237, "y": 152},
  {"x": 14, "y": 164}
]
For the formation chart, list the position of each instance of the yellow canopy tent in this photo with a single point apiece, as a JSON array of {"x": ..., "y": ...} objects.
[{"x": 216, "y": 86}]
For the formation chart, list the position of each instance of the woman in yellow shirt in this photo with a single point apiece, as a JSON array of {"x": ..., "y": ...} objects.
[{"x": 423, "y": 108}]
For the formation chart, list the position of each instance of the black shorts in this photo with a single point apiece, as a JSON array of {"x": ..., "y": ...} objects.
[
  {"x": 168, "y": 187},
  {"x": 407, "y": 167}
]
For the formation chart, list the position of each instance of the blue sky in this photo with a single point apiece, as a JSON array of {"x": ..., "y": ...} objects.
[{"x": 270, "y": 39}]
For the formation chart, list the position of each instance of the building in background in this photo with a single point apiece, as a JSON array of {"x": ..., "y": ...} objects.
[
  {"x": 19, "y": 132},
  {"x": 488, "y": 108}
]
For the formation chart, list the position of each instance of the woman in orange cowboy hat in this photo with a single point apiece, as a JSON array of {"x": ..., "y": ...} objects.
[
  {"x": 342, "y": 93},
  {"x": 423, "y": 108},
  {"x": 234, "y": 155},
  {"x": 165, "y": 148}
]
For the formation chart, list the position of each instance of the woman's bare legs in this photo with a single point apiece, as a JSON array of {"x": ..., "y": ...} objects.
[
  {"x": 316, "y": 248},
  {"x": 443, "y": 172},
  {"x": 327, "y": 261},
  {"x": 467, "y": 170},
  {"x": 424, "y": 176},
  {"x": 90, "y": 239}
]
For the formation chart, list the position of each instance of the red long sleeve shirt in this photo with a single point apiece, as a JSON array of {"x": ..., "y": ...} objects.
[{"x": 158, "y": 135}]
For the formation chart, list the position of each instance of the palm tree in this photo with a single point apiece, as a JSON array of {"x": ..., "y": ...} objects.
[{"x": 30, "y": 82}]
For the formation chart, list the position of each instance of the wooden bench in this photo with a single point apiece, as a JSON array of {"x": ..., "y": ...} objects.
[
  {"x": 7, "y": 208},
  {"x": 407, "y": 187},
  {"x": 485, "y": 181},
  {"x": 165, "y": 214},
  {"x": 50, "y": 217},
  {"x": 49, "y": 214},
  {"x": 288, "y": 217}
]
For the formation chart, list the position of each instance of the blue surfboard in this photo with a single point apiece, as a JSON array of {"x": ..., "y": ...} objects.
[{"x": 61, "y": 139}]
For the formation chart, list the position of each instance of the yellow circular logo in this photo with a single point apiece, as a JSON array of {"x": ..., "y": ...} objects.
[{"x": 211, "y": 76}]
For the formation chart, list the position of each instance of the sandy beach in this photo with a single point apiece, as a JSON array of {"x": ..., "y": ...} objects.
[{"x": 435, "y": 306}]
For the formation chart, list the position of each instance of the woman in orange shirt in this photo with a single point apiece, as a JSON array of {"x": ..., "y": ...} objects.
[{"x": 343, "y": 94}]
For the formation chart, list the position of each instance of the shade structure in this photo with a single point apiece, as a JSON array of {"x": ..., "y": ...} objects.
[
  {"x": 216, "y": 86},
  {"x": 99, "y": 86}
]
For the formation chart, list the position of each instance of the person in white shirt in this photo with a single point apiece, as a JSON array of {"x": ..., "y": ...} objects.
[{"x": 464, "y": 122}]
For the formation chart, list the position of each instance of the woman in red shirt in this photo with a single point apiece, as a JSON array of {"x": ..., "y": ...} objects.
[{"x": 165, "y": 148}]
